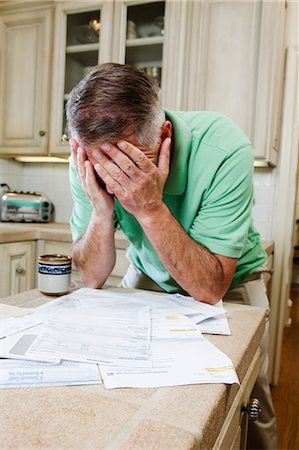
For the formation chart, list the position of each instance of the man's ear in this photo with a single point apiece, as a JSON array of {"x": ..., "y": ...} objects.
[{"x": 166, "y": 130}]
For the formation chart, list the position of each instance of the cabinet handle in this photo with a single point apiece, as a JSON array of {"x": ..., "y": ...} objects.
[
  {"x": 252, "y": 408},
  {"x": 42, "y": 133},
  {"x": 20, "y": 270}
]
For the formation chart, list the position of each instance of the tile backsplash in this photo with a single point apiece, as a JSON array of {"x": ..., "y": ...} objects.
[
  {"x": 264, "y": 196},
  {"x": 53, "y": 180}
]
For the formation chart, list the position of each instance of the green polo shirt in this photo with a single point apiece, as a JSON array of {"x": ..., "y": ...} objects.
[{"x": 209, "y": 191}]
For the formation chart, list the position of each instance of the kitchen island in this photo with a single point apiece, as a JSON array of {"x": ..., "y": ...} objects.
[{"x": 177, "y": 418}]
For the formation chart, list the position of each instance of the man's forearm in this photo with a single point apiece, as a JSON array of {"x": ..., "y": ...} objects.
[
  {"x": 198, "y": 271},
  {"x": 94, "y": 253}
]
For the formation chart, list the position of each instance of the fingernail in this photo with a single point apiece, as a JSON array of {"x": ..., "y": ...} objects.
[
  {"x": 122, "y": 145},
  {"x": 106, "y": 147}
]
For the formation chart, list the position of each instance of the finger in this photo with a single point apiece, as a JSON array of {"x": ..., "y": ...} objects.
[
  {"x": 91, "y": 181},
  {"x": 112, "y": 186},
  {"x": 136, "y": 155},
  {"x": 112, "y": 169},
  {"x": 164, "y": 156},
  {"x": 122, "y": 160},
  {"x": 74, "y": 154},
  {"x": 73, "y": 143},
  {"x": 74, "y": 146},
  {"x": 81, "y": 158}
]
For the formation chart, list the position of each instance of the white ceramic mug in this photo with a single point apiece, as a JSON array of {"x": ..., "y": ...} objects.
[{"x": 54, "y": 274}]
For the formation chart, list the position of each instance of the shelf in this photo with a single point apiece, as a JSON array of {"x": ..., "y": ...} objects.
[
  {"x": 139, "y": 42},
  {"x": 82, "y": 48}
]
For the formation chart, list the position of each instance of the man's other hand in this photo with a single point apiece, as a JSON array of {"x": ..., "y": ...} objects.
[{"x": 132, "y": 177}]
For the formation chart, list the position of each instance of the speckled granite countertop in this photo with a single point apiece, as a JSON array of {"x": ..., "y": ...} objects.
[
  {"x": 16, "y": 232},
  {"x": 91, "y": 417}
]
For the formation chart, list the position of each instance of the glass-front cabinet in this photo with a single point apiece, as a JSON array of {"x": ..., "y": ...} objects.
[
  {"x": 83, "y": 40},
  {"x": 145, "y": 37},
  {"x": 82, "y": 50},
  {"x": 90, "y": 33}
]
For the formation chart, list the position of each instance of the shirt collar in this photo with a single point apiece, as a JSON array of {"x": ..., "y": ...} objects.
[{"x": 177, "y": 178}]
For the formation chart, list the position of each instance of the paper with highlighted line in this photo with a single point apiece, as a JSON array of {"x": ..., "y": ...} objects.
[{"x": 175, "y": 363}]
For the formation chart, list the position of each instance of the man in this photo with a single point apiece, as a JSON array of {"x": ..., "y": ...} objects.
[{"x": 179, "y": 185}]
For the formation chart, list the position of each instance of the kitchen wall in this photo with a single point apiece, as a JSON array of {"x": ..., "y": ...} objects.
[
  {"x": 52, "y": 179},
  {"x": 264, "y": 195},
  {"x": 11, "y": 173}
]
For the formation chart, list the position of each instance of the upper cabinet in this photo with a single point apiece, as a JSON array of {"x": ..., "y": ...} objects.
[
  {"x": 221, "y": 55},
  {"x": 82, "y": 40},
  {"x": 25, "y": 62},
  {"x": 139, "y": 35},
  {"x": 236, "y": 67}
]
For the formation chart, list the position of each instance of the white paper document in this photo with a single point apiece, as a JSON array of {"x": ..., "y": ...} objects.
[
  {"x": 175, "y": 363},
  {"x": 215, "y": 325},
  {"x": 138, "y": 339},
  {"x": 112, "y": 336},
  {"x": 18, "y": 373},
  {"x": 16, "y": 345},
  {"x": 11, "y": 325},
  {"x": 12, "y": 311}
]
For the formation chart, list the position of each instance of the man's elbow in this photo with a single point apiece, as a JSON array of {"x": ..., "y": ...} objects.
[{"x": 211, "y": 296}]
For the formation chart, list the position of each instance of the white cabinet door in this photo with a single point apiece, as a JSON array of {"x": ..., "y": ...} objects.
[
  {"x": 233, "y": 65},
  {"x": 17, "y": 262},
  {"x": 270, "y": 75},
  {"x": 138, "y": 38},
  {"x": 25, "y": 80}
]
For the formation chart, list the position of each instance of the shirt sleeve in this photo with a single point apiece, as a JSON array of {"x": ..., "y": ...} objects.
[
  {"x": 82, "y": 207},
  {"x": 224, "y": 217}
]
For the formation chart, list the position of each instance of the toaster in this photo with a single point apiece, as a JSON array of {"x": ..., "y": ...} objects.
[{"x": 25, "y": 207}]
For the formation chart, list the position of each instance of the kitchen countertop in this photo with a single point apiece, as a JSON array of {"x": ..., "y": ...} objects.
[
  {"x": 181, "y": 417},
  {"x": 16, "y": 232}
]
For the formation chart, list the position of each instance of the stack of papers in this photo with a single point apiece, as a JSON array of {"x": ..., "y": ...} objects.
[{"x": 126, "y": 339}]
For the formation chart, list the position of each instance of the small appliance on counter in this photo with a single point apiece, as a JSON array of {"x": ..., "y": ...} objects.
[{"x": 25, "y": 207}]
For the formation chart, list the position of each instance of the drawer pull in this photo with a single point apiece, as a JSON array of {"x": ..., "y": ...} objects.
[{"x": 252, "y": 408}]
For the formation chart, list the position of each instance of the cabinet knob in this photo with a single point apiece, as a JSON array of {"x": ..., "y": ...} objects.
[
  {"x": 42, "y": 133},
  {"x": 252, "y": 408},
  {"x": 20, "y": 270}
]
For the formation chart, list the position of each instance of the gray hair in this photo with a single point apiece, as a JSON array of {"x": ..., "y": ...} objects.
[{"x": 112, "y": 102}]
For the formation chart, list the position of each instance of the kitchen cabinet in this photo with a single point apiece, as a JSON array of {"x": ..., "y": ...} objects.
[
  {"x": 17, "y": 267},
  {"x": 236, "y": 67},
  {"x": 82, "y": 40},
  {"x": 139, "y": 35},
  {"x": 25, "y": 61},
  {"x": 207, "y": 55}
]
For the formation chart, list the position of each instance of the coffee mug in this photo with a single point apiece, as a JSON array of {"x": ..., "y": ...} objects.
[{"x": 54, "y": 274}]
